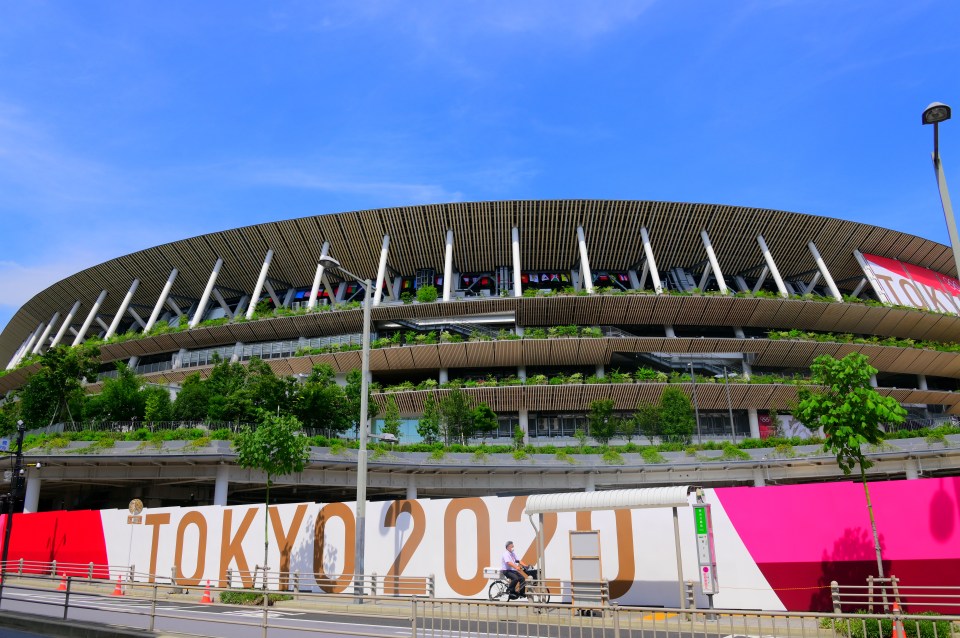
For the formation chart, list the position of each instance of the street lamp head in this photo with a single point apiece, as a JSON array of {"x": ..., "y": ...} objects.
[
  {"x": 935, "y": 113},
  {"x": 327, "y": 260}
]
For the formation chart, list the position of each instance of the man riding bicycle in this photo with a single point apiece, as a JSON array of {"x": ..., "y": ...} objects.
[{"x": 513, "y": 569}]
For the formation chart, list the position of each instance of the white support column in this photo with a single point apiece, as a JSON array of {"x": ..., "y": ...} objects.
[
  {"x": 772, "y": 266},
  {"x": 922, "y": 382},
  {"x": 412, "y": 487},
  {"x": 172, "y": 304},
  {"x": 517, "y": 288},
  {"x": 651, "y": 262},
  {"x": 763, "y": 276},
  {"x": 911, "y": 469},
  {"x": 38, "y": 348},
  {"x": 587, "y": 275},
  {"x": 136, "y": 317},
  {"x": 741, "y": 283},
  {"x": 813, "y": 282},
  {"x": 448, "y": 266},
  {"x": 205, "y": 297},
  {"x": 705, "y": 277},
  {"x": 103, "y": 324},
  {"x": 524, "y": 418},
  {"x": 274, "y": 297},
  {"x": 318, "y": 277},
  {"x": 31, "y": 500},
  {"x": 288, "y": 297},
  {"x": 754, "y": 420},
  {"x": 258, "y": 287},
  {"x": 712, "y": 256},
  {"x": 34, "y": 339},
  {"x": 66, "y": 324},
  {"x": 15, "y": 359},
  {"x": 223, "y": 303},
  {"x": 522, "y": 373},
  {"x": 823, "y": 271},
  {"x": 873, "y": 381},
  {"x": 634, "y": 279},
  {"x": 758, "y": 478},
  {"x": 221, "y": 485},
  {"x": 444, "y": 375},
  {"x": 161, "y": 300},
  {"x": 600, "y": 371},
  {"x": 382, "y": 271},
  {"x": 670, "y": 332},
  {"x": 237, "y": 352},
  {"x": 122, "y": 310},
  {"x": 81, "y": 334},
  {"x": 738, "y": 332}
]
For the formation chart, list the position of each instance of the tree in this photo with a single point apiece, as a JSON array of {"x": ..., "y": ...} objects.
[
  {"x": 484, "y": 419},
  {"x": 456, "y": 416},
  {"x": 850, "y": 412},
  {"x": 278, "y": 448},
  {"x": 62, "y": 370},
  {"x": 157, "y": 406},
  {"x": 120, "y": 399},
  {"x": 192, "y": 400},
  {"x": 266, "y": 390},
  {"x": 322, "y": 404},
  {"x": 676, "y": 415},
  {"x": 627, "y": 428},
  {"x": 601, "y": 422},
  {"x": 391, "y": 418},
  {"x": 428, "y": 427},
  {"x": 647, "y": 420}
]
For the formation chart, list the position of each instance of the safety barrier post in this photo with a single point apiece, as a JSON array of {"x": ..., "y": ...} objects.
[
  {"x": 153, "y": 606},
  {"x": 431, "y": 586},
  {"x": 266, "y": 602},
  {"x": 130, "y": 571},
  {"x": 53, "y": 568},
  {"x": 90, "y": 571},
  {"x": 615, "y": 609},
  {"x": 20, "y": 568},
  {"x": 173, "y": 581},
  {"x": 229, "y": 576},
  {"x": 296, "y": 582},
  {"x": 66, "y": 597},
  {"x": 835, "y": 596},
  {"x": 373, "y": 584},
  {"x": 690, "y": 594},
  {"x": 413, "y": 617}
]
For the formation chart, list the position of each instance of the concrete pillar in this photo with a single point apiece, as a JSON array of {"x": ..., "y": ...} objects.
[
  {"x": 670, "y": 332},
  {"x": 412, "y": 487},
  {"x": 589, "y": 482},
  {"x": 237, "y": 352},
  {"x": 517, "y": 288},
  {"x": 161, "y": 301},
  {"x": 16, "y": 355},
  {"x": 448, "y": 266},
  {"x": 220, "y": 487},
  {"x": 911, "y": 467},
  {"x": 38, "y": 348},
  {"x": 738, "y": 332},
  {"x": 258, "y": 287},
  {"x": 81, "y": 335},
  {"x": 772, "y": 266},
  {"x": 382, "y": 271},
  {"x": 34, "y": 339},
  {"x": 651, "y": 262},
  {"x": 31, "y": 499},
  {"x": 444, "y": 375},
  {"x": 714, "y": 264},
  {"x": 524, "y": 418},
  {"x": 747, "y": 370},
  {"x": 601, "y": 372},
  {"x": 318, "y": 277},
  {"x": 758, "y": 478},
  {"x": 873, "y": 381},
  {"x": 822, "y": 267},
  {"x": 522, "y": 373},
  {"x": 65, "y": 325},
  {"x": 205, "y": 297},
  {"x": 132, "y": 362},
  {"x": 754, "y": 420},
  {"x": 122, "y": 310},
  {"x": 584, "y": 261},
  {"x": 922, "y": 382},
  {"x": 178, "y": 359}
]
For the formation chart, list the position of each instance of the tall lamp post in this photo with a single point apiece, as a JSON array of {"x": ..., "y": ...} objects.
[
  {"x": 934, "y": 114},
  {"x": 11, "y": 500},
  {"x": 360, "y": 529}
]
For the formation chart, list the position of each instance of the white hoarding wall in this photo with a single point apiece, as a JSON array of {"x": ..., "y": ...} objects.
[
  {"x": 896, "y": 282},
  {"x": 451, "y": 539}
]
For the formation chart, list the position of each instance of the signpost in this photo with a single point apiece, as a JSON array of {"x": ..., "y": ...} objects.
[
  {"x": 135, "y": 508},
  {"x": 706, "y": 552}
]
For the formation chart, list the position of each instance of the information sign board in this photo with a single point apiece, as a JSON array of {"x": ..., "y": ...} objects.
[{"x": 706, "y": 553}]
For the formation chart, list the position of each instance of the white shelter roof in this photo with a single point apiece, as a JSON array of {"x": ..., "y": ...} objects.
[{"x": 674, "y": 496}]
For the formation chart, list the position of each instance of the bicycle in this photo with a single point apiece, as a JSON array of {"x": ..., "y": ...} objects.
[{"x": 535, "y": 590}]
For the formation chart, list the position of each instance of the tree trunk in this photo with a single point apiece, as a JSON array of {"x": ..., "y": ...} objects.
[{"x": 873, "y": 523}]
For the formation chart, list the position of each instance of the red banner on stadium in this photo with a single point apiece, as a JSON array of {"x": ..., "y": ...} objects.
[{"x": 904, "y": 284}]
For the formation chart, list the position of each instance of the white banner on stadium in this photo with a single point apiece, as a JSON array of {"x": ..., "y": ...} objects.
[{"x": 896, "y": 282}]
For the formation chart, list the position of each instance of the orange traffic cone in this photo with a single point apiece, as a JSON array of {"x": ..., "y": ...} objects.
[
  {"x": 205, "y": 599},
  {"x": 898, "y": 631},
  {"x": 118, "y": 590},
  {"x": 63, "y": 583}
]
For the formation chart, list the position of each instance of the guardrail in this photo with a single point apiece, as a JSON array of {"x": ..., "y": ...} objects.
[{"x": 881, "y": 594}]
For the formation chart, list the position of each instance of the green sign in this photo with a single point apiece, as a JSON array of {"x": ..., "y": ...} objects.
[{"x": 700, "y": 517}]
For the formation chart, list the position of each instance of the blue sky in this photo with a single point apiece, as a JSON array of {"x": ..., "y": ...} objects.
[{"x": 128, "y": 124}]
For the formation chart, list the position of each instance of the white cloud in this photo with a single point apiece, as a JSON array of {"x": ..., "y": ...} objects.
[{"x": 397, "y": 191}]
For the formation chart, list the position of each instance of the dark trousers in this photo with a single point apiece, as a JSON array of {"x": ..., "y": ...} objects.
[{"x": 514, "y": 578}]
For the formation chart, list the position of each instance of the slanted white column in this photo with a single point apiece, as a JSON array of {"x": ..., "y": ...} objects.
[
  {"x": 922, "y": 382},
  {"x": 221, "y": 485},
  {"x": 827, "y": 277},
  {"x": 763, "y": 276},
  {"x": 712, "y": 256},
  {"x": 517, "y": 288},
  {"x": 600, "y": 371},
  {"x": 772, "y": 266},
  {"x": 586, "y": 275},
  {"x": 161, "y": 300},
  {"x": 205, "y": 297},
  {"x": 524, "y": 418},
  {"x": 31, "y": 500},
  {"x": 34, "y": 338},
  {"x": 65, "y": 325},
  {"x": 754, "y": 420},
  {"x": 651, "y": 263},
  {"x": 382, "y": 271},
  {"x": 223, "y": 303},
  {"x": 412, "y": 487},
  {"x": 38, "y": 348},
  {"x": 261, "y": 278},
  {"x": 122, "y": 310},
  {"x": 444, "y": 375},
  {"x": 448, "y": 266},
  {"x": 15, "y": 359},
  {"x": 873, "y": 381},
  {"x": 81, "y": 335},
  {"x": 669, "y": 331},
  {"x": 318, "y": 277},
  {"x": 136, "y": 317}
]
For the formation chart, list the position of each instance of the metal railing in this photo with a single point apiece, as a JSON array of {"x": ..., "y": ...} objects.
[{"x": 881, "y": 594}]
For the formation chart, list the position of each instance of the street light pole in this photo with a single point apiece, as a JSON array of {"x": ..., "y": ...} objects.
[
  {"x": 359, "y": 541},
  {"x": 15, "y": 481},
  {"x": 696, "y": 408},
  {"x": 726, "y": 386},
  {"x": 934, "y": 114}
]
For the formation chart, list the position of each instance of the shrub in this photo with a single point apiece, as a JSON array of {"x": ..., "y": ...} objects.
[
  {"x": 427, "y": 294},
  {"x": 652, "y": 455},
  {"x": 612, "y": 457},
  {"x": 251, "y": 598},
  {"x": 733, "y": 453}
]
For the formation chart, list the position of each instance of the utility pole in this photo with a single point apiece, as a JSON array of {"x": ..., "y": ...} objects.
[{"x": 16, "y": 482}]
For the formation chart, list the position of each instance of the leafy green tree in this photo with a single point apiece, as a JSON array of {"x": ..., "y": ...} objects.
[
  {"x": 427, "y": 294},
  {"x": 428, "y": 427},
  {"x": 120, "y": 399},
  {"x": 277, "y": 447},
  {"x": 391, "y": 418},
  {"x": 193, "y": 399},
  {"x": 47, "y": 393},
  {"x": 229, "y": 399},
  {"x": 646, "y": 420},
  {"x": 456, "y": 416},
  {"x": 157, "y": 405},
  {"x": 266, "y": 390},
  {"x": 9, "y": 415},
  {"x": 676, "y": 415},
  {"x": 352, "y": 389},
  {"x": 484, "y": 420},
  {"x": 322, "y": 404},
  {"x": 850, "y": 411},
  {"x": 601, "y": 421}
]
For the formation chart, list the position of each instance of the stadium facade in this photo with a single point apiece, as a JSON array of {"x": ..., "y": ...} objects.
[{"x": 542, "y": 308}]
